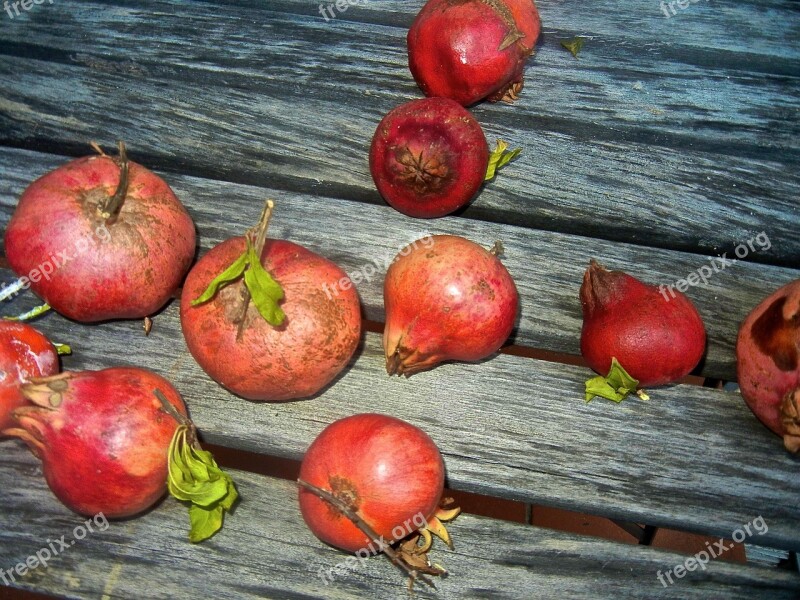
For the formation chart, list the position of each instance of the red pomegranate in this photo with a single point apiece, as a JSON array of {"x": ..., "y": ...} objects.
[
  {"x": 101, "y": 238},
  {"x": 472, "y": 49},
  {"x": 103, "y": 437},
  {"x": 24, "y": 353}
]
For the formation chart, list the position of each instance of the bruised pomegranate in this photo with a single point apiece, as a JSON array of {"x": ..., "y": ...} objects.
[
  {"x": 768, "y": 363},
  {"x": 449, "y": 299},
  {"x": 248, "y": 355},
  {"x": 428, "y": 157},
  {"x": 469, "y": 50},
  {"x": 656, "y": 334},
  {"x": 24, "y": 353},
  {"x": 385, "y": 470},
  {"x": 100, "y": 238},
  {"x": 103, "y": 437}
]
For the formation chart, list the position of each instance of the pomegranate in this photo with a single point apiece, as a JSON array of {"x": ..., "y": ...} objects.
[
  {"x": 768, "y": 363},
  {"x": 100, "y": 238},
  {"x": 24, "y": 353},
  {"x": 655, "y": 337},
  {"x": 103, "y": 437},
  {"x": 447, "y": 300},
  {"x": 472, "y": 49},
  {"x": 386, "y": 471},
  {"x": 428, "y": 157},
  {"x": 312, "y": 335}
]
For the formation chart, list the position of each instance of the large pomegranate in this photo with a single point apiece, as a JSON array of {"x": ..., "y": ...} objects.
[
  {"x": 387, "y": 471},
  {"x": 103, "y": 437},
  {"x": 319, "y": 328},
  {"x": 101, "y": 238}
]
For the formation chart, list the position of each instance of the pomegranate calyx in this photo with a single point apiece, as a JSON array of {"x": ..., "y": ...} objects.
[
  {"x": 46, "y": 392},
  {"x": 500, "y": 157},
  {"x": 790, "y": 419},
  {"x": 425, "y": 173},
  {"x": 615, "y": 386}
]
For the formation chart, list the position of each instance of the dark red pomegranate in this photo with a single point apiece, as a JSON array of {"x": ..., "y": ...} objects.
[
  {"x": 428, "y": 157},
  {"x": 655, "y": 337},
  {"x": 469, "y": 50}
]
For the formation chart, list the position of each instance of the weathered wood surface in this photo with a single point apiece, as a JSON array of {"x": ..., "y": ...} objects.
[
  {"x": 548, "y": 267},
  {"x": 266, "y": 551},
  {"x": 691, "y": 458},
  {"x": 675, "y": 133},
  {"x": 668, "y": 141}
]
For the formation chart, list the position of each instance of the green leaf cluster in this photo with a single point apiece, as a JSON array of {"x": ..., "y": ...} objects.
[
  {"x": 615, "y": 386},
  {"x": 195, "y": 477},
  {"x": 264, "y": 290},
  {"x": 500, "y": 158}
]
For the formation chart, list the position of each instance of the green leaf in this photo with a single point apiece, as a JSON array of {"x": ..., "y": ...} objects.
[
  {"x": 614, "y": 386},
  {"x": 499, "y": 158},
  {"x": 195, "y": 477},
  {"x": 265, "y": 291},
  {"x": 62, "y": 349},
  {"x": 227, "y": 276},
  {"x": 574, "y": 45},
  {"x": 205, "y": 522}
]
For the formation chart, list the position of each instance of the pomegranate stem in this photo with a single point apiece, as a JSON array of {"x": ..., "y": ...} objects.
[
  {"x": 112, "y": 205},
  {"x": 364, "y": 527},
  {"x": 259, "y": 233},
  {"x": 171, "y": 411}
]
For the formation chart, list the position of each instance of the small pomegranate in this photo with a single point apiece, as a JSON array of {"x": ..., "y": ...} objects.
[
  {"x": 103, "y": 437},
  {"x": 385, "y": 470},
  {"x": 24, "y": 353},
  {"x": 768, "y": 363},
  {"x": 297, "y": 334},
  {"x": 449, "y": 299},
  {"x": 472, "y": 49},
  {"x": 101, "y": 238},
  {"x": 657, "y": 338},
  {"x": 428, "y": 157}
]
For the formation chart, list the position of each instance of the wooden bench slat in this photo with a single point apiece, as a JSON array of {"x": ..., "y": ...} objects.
[
  {"x": 659, "y": 166},
  {"x": 265, "y": 550},
  {"x": 691, "y": 458},
  {"x": 548, "y": 267}
]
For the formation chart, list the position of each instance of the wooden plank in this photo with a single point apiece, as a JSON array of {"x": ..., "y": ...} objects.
[
  {"x": 692, "y": 458},
  {"x": 265, "y": 550},
  {"x": 647, "y": 139},
  {"x": 548, "y": 267}
]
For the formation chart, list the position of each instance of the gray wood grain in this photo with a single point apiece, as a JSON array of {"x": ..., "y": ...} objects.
[
  {"x": 266, "y": 551},
  {"x": 691, "y": 458},
  {"x": 548, "y": 267},
  {"x": 676, "y": 141}
]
